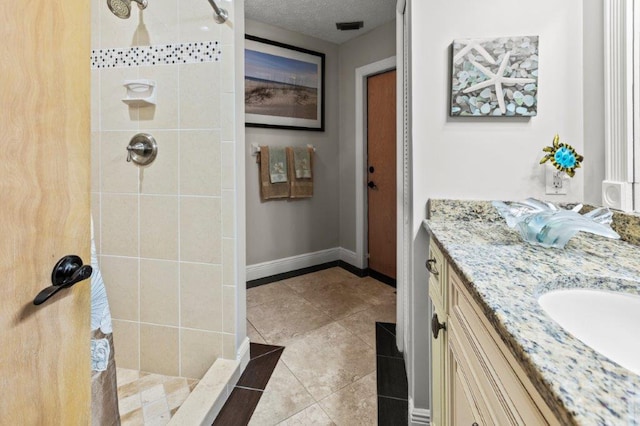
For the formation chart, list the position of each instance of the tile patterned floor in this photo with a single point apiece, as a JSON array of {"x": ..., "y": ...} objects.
[
  {"x": 327, "y": 373},
  {"x": 150, "y": 399}
]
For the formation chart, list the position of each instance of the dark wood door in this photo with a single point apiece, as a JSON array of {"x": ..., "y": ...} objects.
[{"x": 381, "y": 172}]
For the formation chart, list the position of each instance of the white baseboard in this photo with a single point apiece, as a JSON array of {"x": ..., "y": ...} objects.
[
  {"x": 287, "y": 264},
  {"x": 418, "y": 416},
  {"x": 349, "y": 257}
]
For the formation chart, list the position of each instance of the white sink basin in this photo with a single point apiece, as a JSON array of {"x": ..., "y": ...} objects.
[{"x": 608, "y": 322}]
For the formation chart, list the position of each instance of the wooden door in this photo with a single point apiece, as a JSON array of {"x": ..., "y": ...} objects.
[
  {"x": 381, "y": 172},
  {"x": 44, "y": 213}
]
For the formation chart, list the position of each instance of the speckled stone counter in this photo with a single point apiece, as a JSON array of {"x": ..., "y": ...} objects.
[{"x": 506, "y": 276}]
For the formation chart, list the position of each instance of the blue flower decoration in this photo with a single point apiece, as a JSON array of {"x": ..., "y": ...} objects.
[{"x": 563, "y": 156}]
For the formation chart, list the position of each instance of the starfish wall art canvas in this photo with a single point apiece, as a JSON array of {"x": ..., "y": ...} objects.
[{"x": 495, "y": 77}]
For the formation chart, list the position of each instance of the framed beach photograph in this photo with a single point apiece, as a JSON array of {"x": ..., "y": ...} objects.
[{"x": 283, "y": 86}]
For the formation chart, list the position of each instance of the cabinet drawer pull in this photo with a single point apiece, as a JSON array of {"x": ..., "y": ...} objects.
[
  {"x": 431, "y": 268},
  {"x": 436, "y": 326},
  {"x": 474, "y": 424}
]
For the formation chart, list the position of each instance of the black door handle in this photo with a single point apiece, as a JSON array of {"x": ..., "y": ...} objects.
[
  {"x": 68, "y": 271},
  {"x": 372, "y": 185}
]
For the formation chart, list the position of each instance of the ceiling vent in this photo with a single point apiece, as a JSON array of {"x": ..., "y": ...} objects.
[{"x": 348, "y": 26}]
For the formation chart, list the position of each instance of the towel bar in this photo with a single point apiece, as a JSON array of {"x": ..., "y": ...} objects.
[{"x": 255, "y": 148}]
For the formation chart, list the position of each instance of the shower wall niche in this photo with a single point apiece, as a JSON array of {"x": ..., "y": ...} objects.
[{"x": 165, "y": 232}]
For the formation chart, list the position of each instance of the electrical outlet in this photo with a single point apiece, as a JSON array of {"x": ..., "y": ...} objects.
[{"x": 556, "y": 182}]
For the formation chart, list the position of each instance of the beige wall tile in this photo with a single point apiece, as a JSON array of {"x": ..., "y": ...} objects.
[
  {"x": 227, "y": 165},
  {"x": 159, "y": 227},
  {"x": 200, "y": 162},
  {"x": 116, "y": 32},
  {"x": 95, "y": 161},
  {"x": 198, "y": 351},
  {"x": 120, "y": 224},
  {"x": 163, "y": 115},
  {"x": 201, "y": 296},
  {"x": 159, "y": 292},
  {"x": 229, "y": 346},
  {"x": 196, "y": 23},
  {"x": 115, "y": 114},
  {"x": 126, "y": 344},
  {"x": 117, "y": 175},
  {"x": 227, "y": 74},
  {"x": 228, "y": 214},
  {"x": 120, "y": 276},
  {"x": 95, "y": 215},
  {"x": 228, "y": 262},
  {"x": 159, "y": 349},
  {"x": 161, "y": 176},
  {"x": 227, "y": 116},
  {"x": 229, "y": 309},
  {"x": 200, "y": 233},
  {"x": 200, "y": 96},
  {"x": 160, "y": 24},
  {"x": 95, "y": 100}
]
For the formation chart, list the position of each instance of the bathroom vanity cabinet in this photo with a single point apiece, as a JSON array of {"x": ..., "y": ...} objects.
[{"x": 476, "y": 380}]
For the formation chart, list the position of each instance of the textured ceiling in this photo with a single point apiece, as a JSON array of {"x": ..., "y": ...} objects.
[{"x": 318, "y": 18}]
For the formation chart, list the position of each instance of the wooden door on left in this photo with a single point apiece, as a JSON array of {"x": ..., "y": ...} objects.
[{"x": 45, "y": 370}]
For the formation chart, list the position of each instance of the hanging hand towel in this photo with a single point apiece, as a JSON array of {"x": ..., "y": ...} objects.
[
  {"x": 269, "y": 190},
  {"x": 300, "y": 164},
  {"x": 277, "y": 165}
]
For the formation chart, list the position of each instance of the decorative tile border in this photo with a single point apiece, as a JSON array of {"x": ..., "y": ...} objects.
[{"x": 162, "y": 54}]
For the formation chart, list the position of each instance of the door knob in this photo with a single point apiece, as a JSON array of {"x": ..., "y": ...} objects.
[
  {"x": 68, "y": 271},
  {"x": 372, "y": 185}
]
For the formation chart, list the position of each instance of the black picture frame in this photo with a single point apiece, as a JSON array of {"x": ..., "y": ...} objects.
[{"x": 284, "y": 86}]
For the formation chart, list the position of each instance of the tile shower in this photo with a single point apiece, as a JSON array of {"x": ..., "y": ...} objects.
[{"x": 165, "y": 233}]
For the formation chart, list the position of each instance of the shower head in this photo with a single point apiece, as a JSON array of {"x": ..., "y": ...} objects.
[{"x": 122, "y": 8}]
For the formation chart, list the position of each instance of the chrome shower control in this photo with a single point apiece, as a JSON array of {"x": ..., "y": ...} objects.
[{"x": 142, "y": 149}]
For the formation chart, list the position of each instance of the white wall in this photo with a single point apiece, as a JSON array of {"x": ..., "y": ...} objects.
[
  {"x": 371, "y": 47},
  {"x": 488, "y": 158},
  {"x": 279, "y": 229},
  {"x": 593, "y": 51}
]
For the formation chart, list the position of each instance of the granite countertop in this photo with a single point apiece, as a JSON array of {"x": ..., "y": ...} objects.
[{"x": 506, "y": 276}]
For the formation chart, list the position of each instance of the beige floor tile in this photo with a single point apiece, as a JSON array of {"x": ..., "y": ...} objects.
[
  {"x": 155, "y": 412},
  {"x": 268, "y": 293},
  {"x": 172, "y": 384},
  {"x": 152, "y": 394},
  {"x": 176, "y": 398},
  {"x": 373, "y": 291},
  {"x": 328, "y": 359},
  {"x": 307, "y": 281},
  {"x": 356, "y": 404},
  {"x": 129, "y": 403},
  {"x": 283, "y": 397},
  {"x": 336, "y": 299},
  {"x": 254, "y": 336},
  {"x": 280, "y": 322},
  {"x": 133, "y": 418},
  {"x": 363, "y": 324},
  {"x": 126, "y": 375},
  {"x": 313, "y": 415}
]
